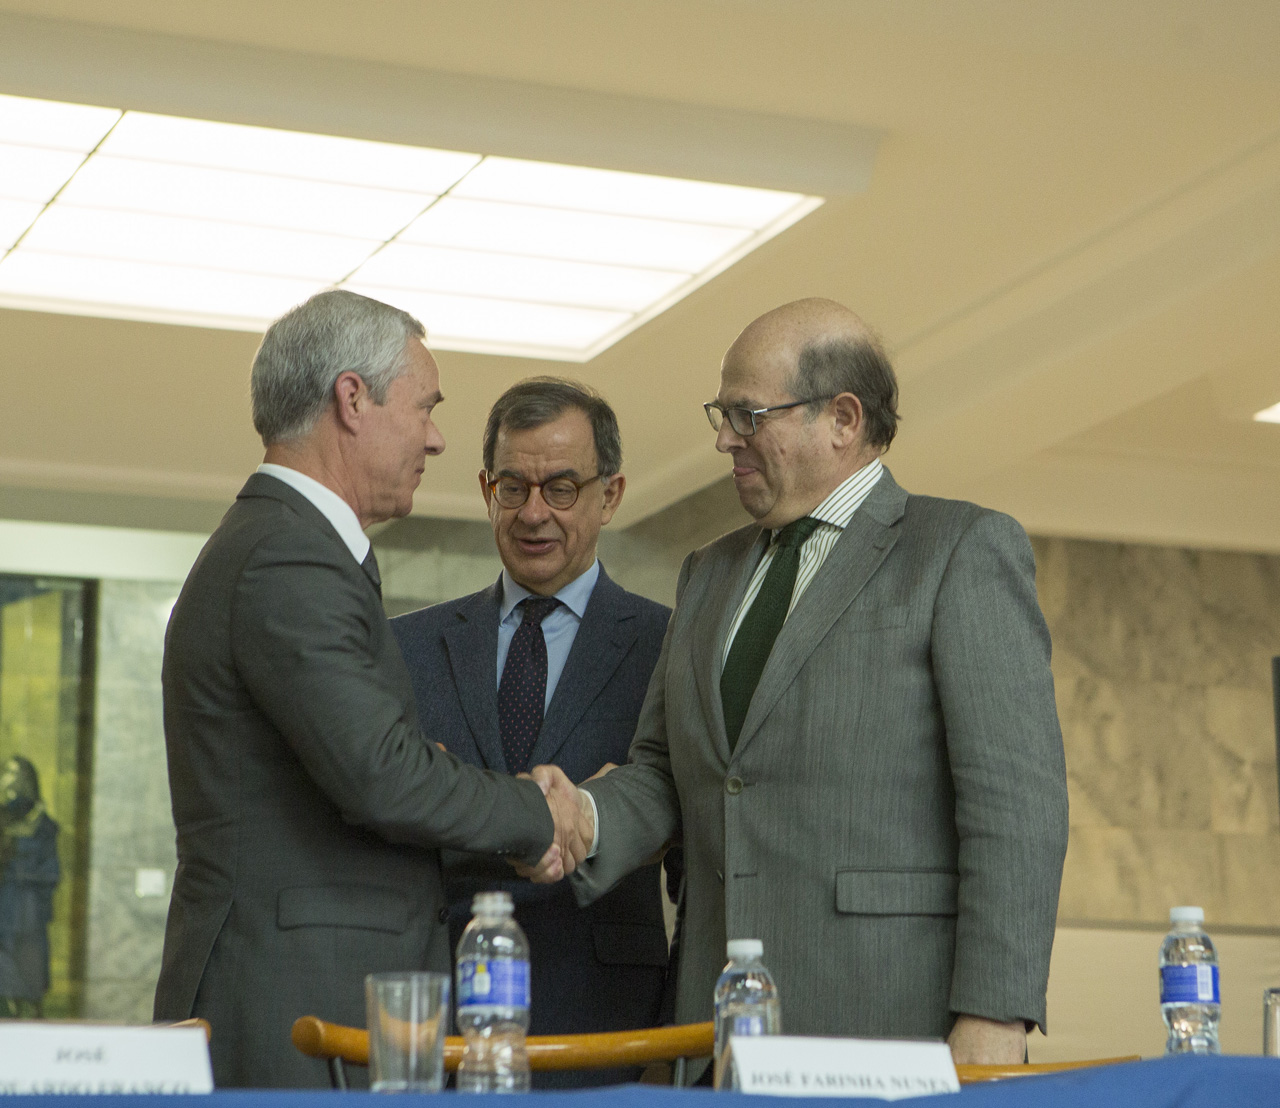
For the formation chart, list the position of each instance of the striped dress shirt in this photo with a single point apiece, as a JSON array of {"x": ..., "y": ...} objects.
[{"x": 834, "y": 514}]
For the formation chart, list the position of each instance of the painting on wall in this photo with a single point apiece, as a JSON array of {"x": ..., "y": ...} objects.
[{"x": 46, "y": 679}]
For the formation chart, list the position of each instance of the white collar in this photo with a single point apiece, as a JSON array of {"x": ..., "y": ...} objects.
[
  {"x": 336, "y": 510},
  {"x": 574, "y": 596}
]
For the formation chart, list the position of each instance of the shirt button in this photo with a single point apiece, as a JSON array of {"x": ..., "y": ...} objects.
[
  {"x": 443, "y": 915},
  {"x": 733, "y": 786}
]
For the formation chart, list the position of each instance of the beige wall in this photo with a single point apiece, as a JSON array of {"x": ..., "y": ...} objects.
[
  {"x": 1162, "y": 664},
  {"x": 1162, "y": 659}
]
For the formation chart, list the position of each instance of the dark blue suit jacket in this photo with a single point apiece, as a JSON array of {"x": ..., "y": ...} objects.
[{"x": 599, "y": 968}]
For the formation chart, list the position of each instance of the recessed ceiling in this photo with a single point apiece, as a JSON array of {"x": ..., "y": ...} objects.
[
  {"x": 1063, "y": 218},
  {"x": 133, "y": 215}
]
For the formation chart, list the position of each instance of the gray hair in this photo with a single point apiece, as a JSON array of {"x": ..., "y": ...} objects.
[
  {"x": 832, "y": 366},
  {"x": 538, "y": 400},
  {"x": 307, "y": 349}
]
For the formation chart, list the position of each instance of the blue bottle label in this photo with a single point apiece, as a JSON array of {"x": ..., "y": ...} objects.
[
  {"x": 1189, "y": 985},
  {"x": 747, "y": 1025},
  {"x": 497, "y": 983}
]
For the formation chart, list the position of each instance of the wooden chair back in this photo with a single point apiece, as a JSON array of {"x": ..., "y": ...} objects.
[
  {"x": 968, "y": 1075},
  {"x": 610, "y": 1049},
  {"x": 602, "y": 1050}
]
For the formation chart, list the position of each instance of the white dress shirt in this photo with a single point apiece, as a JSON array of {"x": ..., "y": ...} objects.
[
  {"x": 336, "y": 510},
  {"x": 833, "y": 515},
  {"x": 559, "y": 629}
]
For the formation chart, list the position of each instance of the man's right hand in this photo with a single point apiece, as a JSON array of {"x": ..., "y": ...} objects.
[{"x": 574, "y": 827}]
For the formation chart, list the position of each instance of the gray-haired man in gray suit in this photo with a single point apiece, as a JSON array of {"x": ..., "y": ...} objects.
[{"x": 852, "y": 725}]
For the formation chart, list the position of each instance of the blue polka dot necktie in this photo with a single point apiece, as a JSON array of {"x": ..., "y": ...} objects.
[{"x": 522, "y": 692}]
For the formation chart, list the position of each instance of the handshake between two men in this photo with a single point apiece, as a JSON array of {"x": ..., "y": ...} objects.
[{"x": 575, "y": 825}]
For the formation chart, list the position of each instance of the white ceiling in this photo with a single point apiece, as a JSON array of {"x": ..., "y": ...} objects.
[{"x": 1069, "y": 237}]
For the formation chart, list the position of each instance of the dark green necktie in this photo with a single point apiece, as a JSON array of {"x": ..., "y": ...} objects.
[{"x": 760, "y": 626}]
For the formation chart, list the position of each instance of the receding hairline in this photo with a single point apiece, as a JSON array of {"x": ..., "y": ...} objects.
[{"x": 791, "y": 328}]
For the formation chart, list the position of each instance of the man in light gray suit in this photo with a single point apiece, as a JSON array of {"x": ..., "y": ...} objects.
[
  {"x": 309, "y": 806},
  {"x": 852, "y": 726}
]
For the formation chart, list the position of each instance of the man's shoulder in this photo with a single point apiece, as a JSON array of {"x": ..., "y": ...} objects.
[
  {"x": 728, "y": 548},
  {"x": 434, "y": 618},
  {"x": 942, "y": 516},
  {"x": 277, "y": 529},
  {"x": 624, "y": 602},
  {"x": 440, "y": 614}
]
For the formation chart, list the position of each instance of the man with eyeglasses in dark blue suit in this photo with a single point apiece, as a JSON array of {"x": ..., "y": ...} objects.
[{"x": 550, "y": 664}]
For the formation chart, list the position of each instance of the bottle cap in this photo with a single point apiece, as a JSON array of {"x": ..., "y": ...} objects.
[
  {"x": 1186, "y": 914},
  {"x": 491, "y": 902},
  {"x": 737, "y": 949}
]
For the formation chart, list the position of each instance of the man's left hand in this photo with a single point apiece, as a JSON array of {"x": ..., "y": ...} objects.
[{"x": 977, "y": 1041}]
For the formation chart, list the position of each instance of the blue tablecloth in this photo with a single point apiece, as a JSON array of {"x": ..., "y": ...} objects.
[{"x": 1165, "y": 1083}]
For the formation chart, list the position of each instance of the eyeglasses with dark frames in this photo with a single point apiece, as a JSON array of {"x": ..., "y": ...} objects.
[
  {"x": 743, "y": 420},
  {"x": 558, "y": 492}
]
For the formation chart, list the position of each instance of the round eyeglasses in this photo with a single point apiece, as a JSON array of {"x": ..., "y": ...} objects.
[
  {"x": 557, "y": 492},
  {"x": 743, "y": 420}
]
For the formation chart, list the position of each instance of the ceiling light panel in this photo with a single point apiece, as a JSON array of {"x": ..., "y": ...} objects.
[
  {"x": 575, "y": 236},
  {"x": 33, "y": 172},
  {"x": 161, "y": 138},
  {"x": 171, "y": 294},
  {"x": 636, "y": 194},
  {"x": 151, "y": 217},
  {"x": 1268, "y": 415},
  {"x": 52, "y": 125},
  {"x": 493, "y": 326},
  {"x": 254, "y": 199},
  {"x": 197, "y": 243},
  {"x": 506, "y": 276},
  {"x": 15, "y": 217}
]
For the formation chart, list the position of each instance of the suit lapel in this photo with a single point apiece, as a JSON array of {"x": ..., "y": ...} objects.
[
  {"x": 724, "y": 593},
  {"x": 272, "y": 488},
  {"x": 472, "y": 646},
  {"x": 603, "y": 639},
  {"x": 858, "y": 553}
]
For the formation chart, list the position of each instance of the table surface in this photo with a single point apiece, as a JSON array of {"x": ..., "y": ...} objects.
[{"x": 1189, "y": 1082}]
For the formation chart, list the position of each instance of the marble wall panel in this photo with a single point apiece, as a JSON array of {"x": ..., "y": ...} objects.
[
  {"x": 1162, "y": 662},
  {"x": 131, "y": 824}
]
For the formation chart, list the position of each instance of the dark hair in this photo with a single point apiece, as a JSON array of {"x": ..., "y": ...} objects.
[
  {"x": 537, "y": 400},
  {"x": 833, "y": 366}
]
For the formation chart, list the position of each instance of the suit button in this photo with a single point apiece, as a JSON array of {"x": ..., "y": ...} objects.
[
  {"x": 720, "y": 875},
  {"x": 443, "y": 915},
  {"x": 733, "y": 786}
]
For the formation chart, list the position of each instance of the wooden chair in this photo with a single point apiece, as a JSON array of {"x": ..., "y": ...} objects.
[
  {"x": 338, "y": 1045},
  {"x": 969, "y": 1074},
  {"x": 195, "y": 1021}
]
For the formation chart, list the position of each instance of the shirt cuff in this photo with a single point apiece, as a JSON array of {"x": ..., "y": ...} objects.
[{"x": 595, "y": 820}]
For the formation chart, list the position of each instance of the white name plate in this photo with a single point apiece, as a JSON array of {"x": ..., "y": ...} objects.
[
  {"x": 83, "y": 1058},
  {"x": 785, "y": 1065}
]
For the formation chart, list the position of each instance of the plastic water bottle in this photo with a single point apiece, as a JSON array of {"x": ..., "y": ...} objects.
[
  {"x": 746, "y": 1002},
  {"x": 493, "y": 999},
  {"x": 1189, "y": 985}
]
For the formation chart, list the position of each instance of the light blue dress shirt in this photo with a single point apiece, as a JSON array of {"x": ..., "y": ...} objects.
[{"x": 559, "y": 629}]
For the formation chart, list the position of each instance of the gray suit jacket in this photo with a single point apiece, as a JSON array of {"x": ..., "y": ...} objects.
[
  {"x": 893, "y": 820},
  {"x": 600, "y": 968},
  {"x": 308, "y": 805}
]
